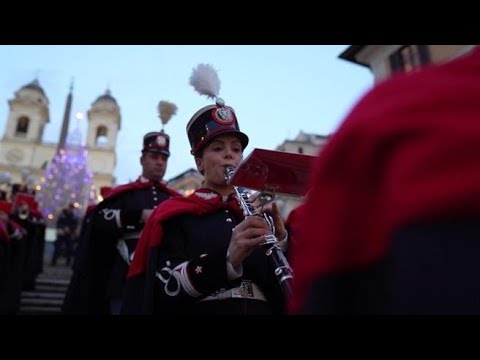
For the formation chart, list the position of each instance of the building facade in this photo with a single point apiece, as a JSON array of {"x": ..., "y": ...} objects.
[
  {"x": 384, "y": 60},
  {"x": 186, "y": 182},
  {"x": 304, "y": 143},
  {"x": 22, "y": 149}
]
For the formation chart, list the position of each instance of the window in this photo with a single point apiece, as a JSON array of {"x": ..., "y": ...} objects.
[
  {"x": 101, "y": 138},
  {"x": 22, "y": 126},
  {"x": 409, "y": 57},
  {"x": 300, "y": 150}
]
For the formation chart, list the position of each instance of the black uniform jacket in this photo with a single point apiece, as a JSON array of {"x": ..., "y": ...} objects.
[
  {"x": 105, "y": 248},
  {"x": 181, "y": 259}
]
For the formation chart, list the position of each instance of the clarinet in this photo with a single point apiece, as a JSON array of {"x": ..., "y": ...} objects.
[{"x": 283, "y": 271}]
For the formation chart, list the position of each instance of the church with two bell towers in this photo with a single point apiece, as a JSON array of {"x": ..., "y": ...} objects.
[{"x": 22, "y": 149}]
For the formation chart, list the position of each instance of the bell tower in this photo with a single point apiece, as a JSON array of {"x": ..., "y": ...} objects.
[
  {"x": 21, "y": 147},
  {"x": 28, "y": 114},
  {"x": 103, "y": 125}
]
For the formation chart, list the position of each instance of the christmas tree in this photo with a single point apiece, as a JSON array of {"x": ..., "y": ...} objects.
[{"x": 67, "y": 180}]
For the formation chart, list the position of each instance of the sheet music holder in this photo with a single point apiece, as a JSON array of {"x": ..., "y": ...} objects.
[{"x": 277, "y": 171}]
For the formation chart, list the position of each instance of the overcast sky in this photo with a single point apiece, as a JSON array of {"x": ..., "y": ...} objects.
[{"x": 276, "y": 90}]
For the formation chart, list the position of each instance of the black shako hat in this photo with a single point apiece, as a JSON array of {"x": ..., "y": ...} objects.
[
  {"x": 159, "y": 141},
  {"x": 156, "y": 142},
  {"x": 210, "y": 122}
]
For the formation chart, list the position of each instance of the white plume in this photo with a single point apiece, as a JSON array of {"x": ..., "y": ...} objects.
[
  {"x": 205, "y": 80},
  {"x": 166, "y": 110}
]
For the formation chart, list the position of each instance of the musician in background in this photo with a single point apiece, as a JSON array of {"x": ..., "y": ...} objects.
[
  {"x": 199, "y": 255},
  {"x": 111, "y": 233},
  {"x": 66, "y": 225},
  {"x": 390, "y": 225}
]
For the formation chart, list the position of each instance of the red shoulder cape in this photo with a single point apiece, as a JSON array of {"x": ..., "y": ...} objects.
[
  {"x": 202, "y": 201},
  {"x": 409, "y": 151},
  {"x": 137, "y": 185}
]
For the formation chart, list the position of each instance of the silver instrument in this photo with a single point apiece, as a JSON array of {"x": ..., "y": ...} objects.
[{"x": 282, "y": 269}]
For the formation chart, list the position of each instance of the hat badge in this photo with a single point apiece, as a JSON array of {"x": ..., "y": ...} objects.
[
  {"x": 224, "y": 115},
  {"x": 161, "y": 141}
]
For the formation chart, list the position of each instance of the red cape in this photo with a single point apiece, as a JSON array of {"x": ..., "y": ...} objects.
[
  {"x": 409, "y": 151},
  {"x": 199, "y": 203},
  {"x": 137, "y": 185},
  {"x": 4, "y": 232},
  {"x": 90, "y": 208}
]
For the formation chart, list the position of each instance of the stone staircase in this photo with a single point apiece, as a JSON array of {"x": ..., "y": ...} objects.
[{"x": 49, "y": 292}]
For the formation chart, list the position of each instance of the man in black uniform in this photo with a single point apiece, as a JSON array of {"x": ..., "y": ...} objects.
[
  {"x": 108, "y": 243},
  {"x": 66, "y": 225}
]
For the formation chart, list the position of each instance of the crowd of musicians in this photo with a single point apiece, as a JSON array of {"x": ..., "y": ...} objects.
[
  {"x": 22, "y": 243},
  {"x": 389, "y": 224},
  {"x": 146, "y": 249}
]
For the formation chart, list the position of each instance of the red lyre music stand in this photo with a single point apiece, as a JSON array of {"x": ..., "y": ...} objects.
[{"x": 273, "y": 171}]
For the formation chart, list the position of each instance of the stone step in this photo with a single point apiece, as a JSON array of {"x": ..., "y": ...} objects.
[
  {"x": 39, "y": 310},
  {"x": 42, "y": 295},
  {"x": 52, "y": 282},
  {"x": 50, "y": 288},
  {"x": 42, "y": 302},
  {"x": 56, "y": 274}
]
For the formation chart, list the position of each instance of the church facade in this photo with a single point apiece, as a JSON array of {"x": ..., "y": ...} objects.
[{"x": 23, "y": 151}]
